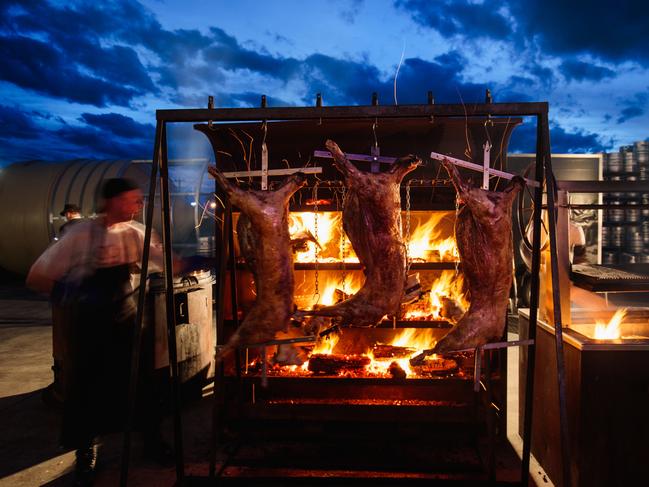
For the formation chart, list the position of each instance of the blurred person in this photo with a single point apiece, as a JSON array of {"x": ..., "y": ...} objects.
[
  {"x": 89, "y": 274},
  {"x": 72, "y": 214}
]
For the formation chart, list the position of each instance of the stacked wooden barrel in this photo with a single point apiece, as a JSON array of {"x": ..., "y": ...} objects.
[{"x": 625, "y": 234}]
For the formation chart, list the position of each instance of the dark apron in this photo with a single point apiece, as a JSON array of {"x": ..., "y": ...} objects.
[{"x": 101, "y": 320}]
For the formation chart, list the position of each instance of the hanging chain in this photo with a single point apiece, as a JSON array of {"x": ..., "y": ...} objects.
[
  {"x": 408, "y": 262},
  {"x": 457, "y": 211},
  {"x": 316, "y": 291},
  {"x": 343, "y": 244}
]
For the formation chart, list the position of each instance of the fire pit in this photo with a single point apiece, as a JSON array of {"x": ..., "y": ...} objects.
[{"x": 607, "y": 400}]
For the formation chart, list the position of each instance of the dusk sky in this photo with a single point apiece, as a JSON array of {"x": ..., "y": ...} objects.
[{"x": 82, "y": 79}]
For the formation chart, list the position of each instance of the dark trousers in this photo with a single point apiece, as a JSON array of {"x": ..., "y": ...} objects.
[{"x": 99, "y": 333}]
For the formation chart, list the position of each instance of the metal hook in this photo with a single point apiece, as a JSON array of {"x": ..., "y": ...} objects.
[
  {"x": 264, "y": 131},
  {"x": 210, "y": 106},
  {"x": 374, "y": 125}
]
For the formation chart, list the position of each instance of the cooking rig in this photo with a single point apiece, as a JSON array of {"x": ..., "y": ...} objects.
[{"x": 358, "y": 408}]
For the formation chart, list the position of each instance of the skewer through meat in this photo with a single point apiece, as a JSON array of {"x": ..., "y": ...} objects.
[
  {"x": 372, "y": 221},
  {"x": 266, "y": 245}
]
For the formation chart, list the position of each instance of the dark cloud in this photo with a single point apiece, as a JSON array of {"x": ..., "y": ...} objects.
[
  {"x": 523, "y": 139},
  {"x": 341, "y": 81},
  {"x": 72, "y": 53},
  {"x": 460, "y": 17},
  {"x": 119, "y": 125},
  {"x": 544, "y": 75},
  {"x": 35, "y": 135},
  {"x": 93, "y": 143},
  {"x": 635, "y": 106},
  {"x": 630, "y": 112},
  {"x": 344, "y": 82},
  {"x": 16, "y": 123},
  {"x": 614, "y": 32},
  {"x": 38, "y": 66},
  {"x": 228, "y": 54},
  {"x": 573, "y": 69}
]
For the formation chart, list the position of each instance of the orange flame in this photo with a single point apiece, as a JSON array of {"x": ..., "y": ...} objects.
[
  {"x": 328, "y": 233},
  {"x": 419, "y": 338},
  {"x": 331, "y": 287},
  {"x": 610, "y": 330},
  {"x": 326, "y": 344},
  {"x": 427, "y": 242},
  {"x": 447, "y": 288}
]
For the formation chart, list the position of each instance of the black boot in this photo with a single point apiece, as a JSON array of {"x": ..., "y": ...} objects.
[{"x": 84, "y": 469}]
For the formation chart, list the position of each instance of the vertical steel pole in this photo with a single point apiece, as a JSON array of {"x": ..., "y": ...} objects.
[
  {"x": 534, "y": 303},
  {"x": 170, "y": 305},
  {"x": 556, "y": 302},
  {"x": 220, "y": 326},
  {"x": 233, "y": 296},
  {"x": 137, "y": 332},
  {"x": 490, "y": 412}
]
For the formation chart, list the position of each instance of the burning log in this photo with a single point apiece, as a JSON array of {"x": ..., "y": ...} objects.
[
  {"x": 435, "y": 365},
  {"x": 334, "y": 364},
  {"x": 381, "y": 350}
]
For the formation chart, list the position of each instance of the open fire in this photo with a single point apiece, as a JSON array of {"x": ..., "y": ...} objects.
[
  {"x": 327, "y": 240},
  {"x": 324, "y": 241},
  {"x": 383, "y": 353},
  {"x": 388, "y": 358},
  {"x": 612, "y": 329},
  {"x": 427, "y": 241}
]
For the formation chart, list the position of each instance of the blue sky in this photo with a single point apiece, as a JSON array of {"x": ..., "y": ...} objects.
[{"x": 83, "y": 79}]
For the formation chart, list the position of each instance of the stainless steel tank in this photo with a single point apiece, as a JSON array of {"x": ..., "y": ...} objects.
[{"x": 32, "y": 195}]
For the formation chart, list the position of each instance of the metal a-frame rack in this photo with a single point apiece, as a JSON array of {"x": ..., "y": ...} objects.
[{"x": 431, "y": 111}]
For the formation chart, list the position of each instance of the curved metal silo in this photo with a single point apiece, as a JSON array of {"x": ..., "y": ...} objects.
[{"x": 33, "y": 193}]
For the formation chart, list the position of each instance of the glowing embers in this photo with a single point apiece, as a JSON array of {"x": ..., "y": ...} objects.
[
  {"x": 446, "y": 299},
  {"x": 612, "y": 329},
  {"x": 366, "y": 353}
]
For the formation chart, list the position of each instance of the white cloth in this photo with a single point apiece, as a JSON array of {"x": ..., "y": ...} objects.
[{"x": 88, "y": 246}]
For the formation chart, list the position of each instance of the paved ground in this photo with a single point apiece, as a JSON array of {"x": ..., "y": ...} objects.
[{"x": 29, "y": 452}]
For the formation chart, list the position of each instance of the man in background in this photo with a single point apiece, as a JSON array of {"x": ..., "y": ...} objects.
[{"x": 72, "y": 214}]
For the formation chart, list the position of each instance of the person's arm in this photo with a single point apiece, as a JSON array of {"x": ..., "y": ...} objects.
[
  {"x": 38, "y": 280},
  {"x": 54, "y": 263}
]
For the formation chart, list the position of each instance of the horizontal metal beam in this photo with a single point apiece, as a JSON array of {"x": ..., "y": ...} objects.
[
  {"x": 352, "y": 112},
  {"x": 604, "y": 186},
  {"x": 595, "y": 206}
]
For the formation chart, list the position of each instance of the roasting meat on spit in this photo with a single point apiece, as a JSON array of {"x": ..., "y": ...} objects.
[
  {"x": 372, "y": 221},
  {"x": 266, "y": 246},
  {"x": 484, "y": 241}
]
